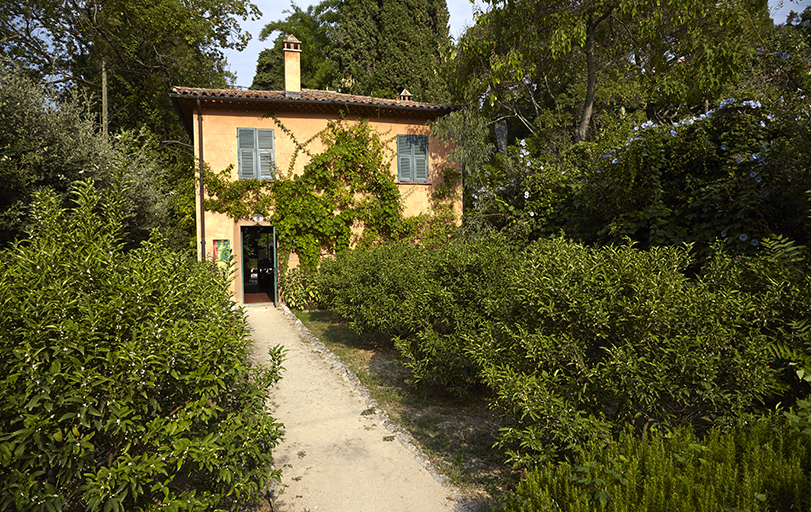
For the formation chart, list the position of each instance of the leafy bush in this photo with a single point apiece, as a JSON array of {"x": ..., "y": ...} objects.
[
  {"x": 373, "y": 288},
  {"x": 124, "y": 376},
  {"x": 740, "y": 171},
  {"x": 462, "y": 285},
  {"x": 593, "y": 338},
  {"x": 426, "y": 299},
  {"x": 46, "y": 144},
  {"x": 299, "y": 289},
  {"x": 762, "y": 466},
  {"x": 781, "y": 280},
  {"x": 572, "y": 340}
]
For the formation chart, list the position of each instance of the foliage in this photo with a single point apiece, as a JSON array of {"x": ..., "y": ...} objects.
[
  {"x": 239, "y": 199},
  {"x": 45, "y": 145},
  {"x": 370, "y": 287},
  {"x": 590, "y": 339},
  {"x": 125, "y": 378},
  {"x": 318, "y": 70},
  {"x": 573, "y": 341},
  {"x": 780, "y": 278},
  {"x": 800, "y": 418},
  {"x": 465, "y": 131},
  {"x": 760, "y": 466},
  {"x": 523, "y": 196},
  {"x": 148, "y": 47},
  {"x": 738, "y": 172},
  {"x": 540, "y": 63},
  {"x": 781, "y": 64},
  {"x": 365, "y": 48},
  {"x": 347, "y": 186},
  {"x": 299, "y": 289}
]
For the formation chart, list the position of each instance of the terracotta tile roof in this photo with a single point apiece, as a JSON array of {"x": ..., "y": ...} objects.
[{"x": 309, "y": 97}]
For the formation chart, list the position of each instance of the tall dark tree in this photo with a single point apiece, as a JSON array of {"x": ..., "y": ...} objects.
[
  {"x": 317, "y": 69},
  {"x": 366, "y": 48},
  {"x": 386, "y": 46}
]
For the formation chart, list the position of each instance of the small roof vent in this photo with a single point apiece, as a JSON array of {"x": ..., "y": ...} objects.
[{"x": 405, "y": 96}]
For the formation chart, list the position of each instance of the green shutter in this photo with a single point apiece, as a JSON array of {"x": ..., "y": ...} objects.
[
  {"x": 246, "y": 147},
  {"x": 412, "y": 158},
  {"x": 420, "y": 158},
  {"x": 267, "y": 169},
  {"x": 404, "y": 158}
]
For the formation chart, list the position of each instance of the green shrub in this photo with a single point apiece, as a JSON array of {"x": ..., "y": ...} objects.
[
  {"x": 799, "y": 417},
  {"x": 739, "y": 172},
  {"x": 761, "y": 466},
  {"x": 427, "y": 299},
  {"x": 462, "y": 283},
  {"x": 590, "y": 338},
  {"x": 780, "y": 278},
  {"x": 124, "y": 376},
  {"x": 300, "y": 289},
  {"x": 374, "y": 289}
]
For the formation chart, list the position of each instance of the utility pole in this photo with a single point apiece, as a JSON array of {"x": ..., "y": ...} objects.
[{"x": 104, "y": 97}]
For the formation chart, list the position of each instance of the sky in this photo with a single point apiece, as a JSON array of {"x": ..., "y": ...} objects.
[{"x": 243, "y": 63}]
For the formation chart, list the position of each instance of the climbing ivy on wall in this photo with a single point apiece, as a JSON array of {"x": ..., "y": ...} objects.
[{"x": 347, "y": 186}]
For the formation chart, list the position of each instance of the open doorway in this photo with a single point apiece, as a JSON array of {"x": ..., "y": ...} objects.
[{"x": 259, "y": 265}]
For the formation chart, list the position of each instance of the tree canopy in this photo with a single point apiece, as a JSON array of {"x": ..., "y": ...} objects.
[
  {"x": 143, "y": 48},
  {"x": 318, "y": 70},
  {"x": 147, "y": 47},
  {"x": 366, "y": 48},
  {"x": 559, "y": 63},
  {"x": 44, "y": 145}
]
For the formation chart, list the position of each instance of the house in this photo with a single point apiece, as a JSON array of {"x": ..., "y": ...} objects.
[{"x": 233, "y": 128}]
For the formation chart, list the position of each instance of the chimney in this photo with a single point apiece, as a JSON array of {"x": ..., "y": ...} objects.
[
  {"x": 292, "y": 67},
  {"x": 405, "y": 96}
]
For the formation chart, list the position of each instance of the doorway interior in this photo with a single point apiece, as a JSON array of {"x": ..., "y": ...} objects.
[{"x": 259, "y": 265}]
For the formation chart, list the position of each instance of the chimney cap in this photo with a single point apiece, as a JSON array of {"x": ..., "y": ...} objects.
[
  {"x": 405, "y": 96},
  {"x": 291, "y": 43}
]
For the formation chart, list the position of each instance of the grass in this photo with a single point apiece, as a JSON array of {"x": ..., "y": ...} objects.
[{"x": 456, "y": 434}]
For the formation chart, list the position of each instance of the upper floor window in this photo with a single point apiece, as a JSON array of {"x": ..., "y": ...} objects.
[
  {"x": 256, "y": 154},
  {"x": 412, "y": 158}
]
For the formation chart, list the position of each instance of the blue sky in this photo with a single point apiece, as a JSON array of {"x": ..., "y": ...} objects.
[{"x": 243, "y": 63}]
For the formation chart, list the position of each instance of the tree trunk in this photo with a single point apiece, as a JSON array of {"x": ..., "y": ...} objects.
[{"x": 591, "y": 63}]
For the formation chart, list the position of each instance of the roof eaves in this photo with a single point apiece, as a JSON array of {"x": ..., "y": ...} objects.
[{"x": 205, "y": 95}]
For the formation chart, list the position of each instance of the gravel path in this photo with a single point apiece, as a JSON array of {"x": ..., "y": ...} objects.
[{"x": 340, "y": 453}]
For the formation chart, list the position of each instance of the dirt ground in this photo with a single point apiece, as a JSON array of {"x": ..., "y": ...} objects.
[{"x": 340, "y": 452}]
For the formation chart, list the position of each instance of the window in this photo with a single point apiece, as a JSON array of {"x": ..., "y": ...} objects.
[
  {"x": 256, "y": 160},
  {"x": 412, "y": 158}
]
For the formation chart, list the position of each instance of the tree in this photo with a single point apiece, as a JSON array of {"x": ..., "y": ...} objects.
[
  {"x": 46, "y": 144},
  {"x": 147, "y": 47},
  {"x": 317, "y": 69},
  {"x": 384, "y": 47},
  {"x": 526, "y": 57},
  {"x": 467, "y": 133},
  {"x": 365, "y": 48}
]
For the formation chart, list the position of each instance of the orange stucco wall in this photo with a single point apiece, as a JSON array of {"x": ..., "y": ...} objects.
[{"x": 219, "y": 128}]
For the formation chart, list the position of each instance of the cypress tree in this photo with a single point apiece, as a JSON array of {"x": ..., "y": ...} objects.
[
  {"x": 369, "y": 48},
  {"x": 386, "y": 46}
]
